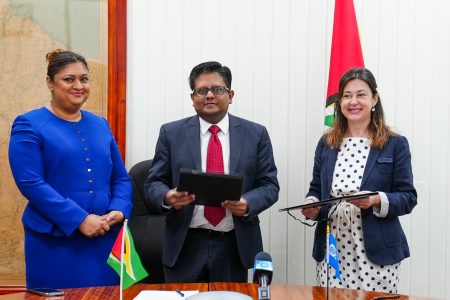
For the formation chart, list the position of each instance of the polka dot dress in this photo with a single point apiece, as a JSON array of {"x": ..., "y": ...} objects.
[{"x": 357, "y": 271}]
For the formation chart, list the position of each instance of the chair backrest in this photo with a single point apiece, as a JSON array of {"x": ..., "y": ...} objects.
[{"x": 146, "y": 225}]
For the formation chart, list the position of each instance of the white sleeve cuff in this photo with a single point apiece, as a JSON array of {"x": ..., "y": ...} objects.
[
  {"x": 382, "y": 211},
  {"x": 315, "y": 199},
  {"x": 166, "y": 206}
]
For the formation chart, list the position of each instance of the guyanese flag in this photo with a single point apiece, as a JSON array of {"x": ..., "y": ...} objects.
[
  {"x": 345, "y": 54},
  {"x": 133, "y": 271}
]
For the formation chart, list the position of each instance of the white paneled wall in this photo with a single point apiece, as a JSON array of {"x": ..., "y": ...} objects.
[{"x": 278, "y": 52}]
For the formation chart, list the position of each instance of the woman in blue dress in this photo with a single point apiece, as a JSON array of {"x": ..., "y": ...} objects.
[{"x": 66, "y": 162}]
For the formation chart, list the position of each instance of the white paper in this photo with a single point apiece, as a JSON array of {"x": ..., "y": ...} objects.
[{"x": 163, "y": 295}]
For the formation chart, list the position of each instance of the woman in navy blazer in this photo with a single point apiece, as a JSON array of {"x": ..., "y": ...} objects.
[
  {"x": 66, "y": 163},
  {"x": 362, "y": 154}
]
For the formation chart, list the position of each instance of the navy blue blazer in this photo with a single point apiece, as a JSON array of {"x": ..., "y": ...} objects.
[
  {"x": 251, "y": 155},
  {"x": 387, "y": 170}
]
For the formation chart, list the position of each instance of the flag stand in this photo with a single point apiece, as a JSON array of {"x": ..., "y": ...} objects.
[
  {"x": 331, "y": 251},
  {"x": 125, "y": 260},
  {"x": 125, "y": 224},
  {"x": 327, "y": 253}
]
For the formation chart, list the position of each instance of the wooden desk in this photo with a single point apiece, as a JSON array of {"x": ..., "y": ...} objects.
[
  {"x": 295, "y": 292},
  {"x": 278, "y": 292},
  {"x": 108, "y": 292}
]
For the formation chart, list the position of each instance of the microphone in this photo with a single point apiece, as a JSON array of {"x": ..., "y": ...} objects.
[{"x": 262, "y": 274}]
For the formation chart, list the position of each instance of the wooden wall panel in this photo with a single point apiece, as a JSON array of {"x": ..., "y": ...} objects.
[
  {"x": 24, "y": 42},
  {"x": 117, "y": 70}
]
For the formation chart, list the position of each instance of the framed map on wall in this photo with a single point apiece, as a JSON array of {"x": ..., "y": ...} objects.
[{"x": 97, "y": 30}]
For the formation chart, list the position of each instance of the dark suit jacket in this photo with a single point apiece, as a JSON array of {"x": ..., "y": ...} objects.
[
  {"x": 387, "y": 170},
  {"x": 250, "y": 155}
]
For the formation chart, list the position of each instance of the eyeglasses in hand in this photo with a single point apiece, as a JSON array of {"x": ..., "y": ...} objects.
[{"x": 216, "y": 90}]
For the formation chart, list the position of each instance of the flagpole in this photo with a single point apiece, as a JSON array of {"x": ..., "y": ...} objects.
[
  {"x": 125, "y": 224},
  {"x": 328, "y": 257}
]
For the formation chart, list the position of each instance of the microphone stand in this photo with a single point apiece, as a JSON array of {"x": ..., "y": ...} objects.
[{"x": 263, "y": 289}]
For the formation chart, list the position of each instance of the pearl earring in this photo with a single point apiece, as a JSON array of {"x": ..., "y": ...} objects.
[{"x": 373, "y": 108}]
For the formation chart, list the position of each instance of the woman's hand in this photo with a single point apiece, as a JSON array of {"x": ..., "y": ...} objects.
[
  {"x": 94, "y": 226},
  {"x": 310, "y": 213},
  {"x": 114, "y": 217},
  {"x": 367, "y": 202}
]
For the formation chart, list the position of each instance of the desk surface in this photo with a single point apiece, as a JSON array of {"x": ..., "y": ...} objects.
[{"x": 278, "y": 292}]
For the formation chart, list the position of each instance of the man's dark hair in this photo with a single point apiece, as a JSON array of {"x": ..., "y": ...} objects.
[{"x": 210, "y": 67}]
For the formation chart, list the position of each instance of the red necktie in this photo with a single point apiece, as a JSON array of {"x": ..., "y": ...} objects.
[{"x": 214, "y": 164}]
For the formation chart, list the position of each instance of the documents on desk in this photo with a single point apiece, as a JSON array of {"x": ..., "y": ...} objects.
[{"x": 164, "y": 295}]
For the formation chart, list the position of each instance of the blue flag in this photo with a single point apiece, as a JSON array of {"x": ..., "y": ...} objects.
[{"x": 332, "y": 255}]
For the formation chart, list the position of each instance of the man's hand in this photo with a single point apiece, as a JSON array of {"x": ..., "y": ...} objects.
[
  {"x": 178, "y": 199},
  {"x": 237, "y": 208},
  {"x": 114, "y": 217},
  {"x": 310, "y": 213},
  {"x": 94, "y": 226}
]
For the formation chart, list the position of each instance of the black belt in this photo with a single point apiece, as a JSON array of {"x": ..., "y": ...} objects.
[{"x": 210, "y": 232}]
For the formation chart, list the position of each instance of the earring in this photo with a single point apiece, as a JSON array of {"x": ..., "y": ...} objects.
[{"x": 373, "y": 108}]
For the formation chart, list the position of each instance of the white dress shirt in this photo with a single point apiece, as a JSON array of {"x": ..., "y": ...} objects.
[{"x": 198, "y": 219}]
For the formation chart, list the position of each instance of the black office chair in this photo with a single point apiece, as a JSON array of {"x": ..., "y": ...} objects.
[{"x": 147, "y": 226}]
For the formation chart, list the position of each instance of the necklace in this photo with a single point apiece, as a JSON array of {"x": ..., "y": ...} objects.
[{"x": 65, "y": 116}]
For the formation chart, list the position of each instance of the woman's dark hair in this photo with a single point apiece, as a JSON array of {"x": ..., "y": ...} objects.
[
  {"x": 58, "y": 59},
  {"x": 210, "y": 67},
  {"x": 378, "y": 129}
]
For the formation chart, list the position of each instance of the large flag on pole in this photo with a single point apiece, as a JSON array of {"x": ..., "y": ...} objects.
[
  {"x": 131, "y": 269},
  {"x": 345, "y": 54}
]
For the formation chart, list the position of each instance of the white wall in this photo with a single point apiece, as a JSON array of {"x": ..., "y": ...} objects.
[{"x": 278, "y": 51}]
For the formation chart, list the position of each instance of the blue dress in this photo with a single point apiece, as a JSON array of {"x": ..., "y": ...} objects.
[{"x": 67, "y": 170}]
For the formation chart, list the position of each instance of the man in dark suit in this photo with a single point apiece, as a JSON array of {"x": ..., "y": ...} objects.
[{"x": 203, "y": 244}]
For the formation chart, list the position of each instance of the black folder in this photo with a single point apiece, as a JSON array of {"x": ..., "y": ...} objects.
[
  {"x": 210, "y": 189},
  {"x": 330, "y": 201}
]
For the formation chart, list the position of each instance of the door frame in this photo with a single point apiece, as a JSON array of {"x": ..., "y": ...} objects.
[{"x": 117, "y": 71}]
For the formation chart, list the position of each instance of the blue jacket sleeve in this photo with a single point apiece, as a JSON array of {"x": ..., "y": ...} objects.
[
  {"x": 402, "y": 195},
  {"x": 28, "y": 168},
  {"x": 315, "y": 186}
]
